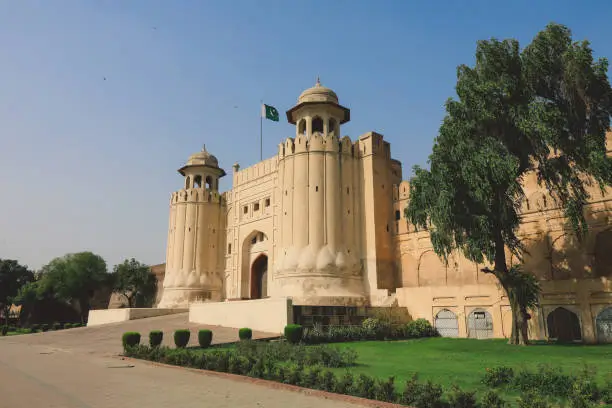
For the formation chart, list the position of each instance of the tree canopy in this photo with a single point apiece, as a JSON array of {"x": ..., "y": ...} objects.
[
  {"x": 74, "y": 278},
  {"x": 135, "y": 282},
  {"x": 544, "y": 110},
  {"x": 12, "y": 277}
]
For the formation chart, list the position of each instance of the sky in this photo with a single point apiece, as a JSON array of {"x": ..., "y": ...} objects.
[{"x": 102, "y": 101}]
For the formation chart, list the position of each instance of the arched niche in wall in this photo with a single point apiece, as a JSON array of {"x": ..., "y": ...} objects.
[{"x": 563, "y": 325}]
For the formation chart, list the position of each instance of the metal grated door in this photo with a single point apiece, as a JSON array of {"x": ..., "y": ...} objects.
[
  {"x": 480, "y": 325},
  {"x": 603, "y": 321},
  {"x": 446, "y": 323}
]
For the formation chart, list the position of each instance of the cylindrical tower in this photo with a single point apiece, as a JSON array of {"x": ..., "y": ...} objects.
[
  {"x": 315, "y": 266},
  {"x": 192, "y": 268}
]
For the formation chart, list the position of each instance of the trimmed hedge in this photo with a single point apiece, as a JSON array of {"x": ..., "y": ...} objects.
[
  {"x": 294, "y": 333},
  {"x": 245, "y": 333},
  {"x": 44, "y": 327},
  {"x": 155, "y": 338},
  {"x": 56, "y": 326},
  {"x": 205, "y": 338},
  {"x": 130, "y": 339},
  {"x": 181, "y": 337}
]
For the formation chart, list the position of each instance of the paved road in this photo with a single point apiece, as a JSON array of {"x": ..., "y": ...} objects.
[{"x": 68, "y": 369}]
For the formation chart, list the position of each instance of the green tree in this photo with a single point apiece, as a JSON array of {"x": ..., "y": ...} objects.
[
  {"x": 75, "y": 278},
  {"x": 12, "y": 277},
  {"x": 135, "y": 282},
  {"x": 545, "y": 110}
]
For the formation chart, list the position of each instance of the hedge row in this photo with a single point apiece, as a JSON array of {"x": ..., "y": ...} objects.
[
  {"x": 181, "y": 338},
  {"x": 38, "y": 327},
  {"x": 308, "y": 366}
]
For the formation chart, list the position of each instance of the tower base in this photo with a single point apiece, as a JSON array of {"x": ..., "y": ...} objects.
[{"x": 174, "y": 298}]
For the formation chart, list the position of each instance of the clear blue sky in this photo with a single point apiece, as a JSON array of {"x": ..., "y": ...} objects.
[{"x": 89, "y": 164}]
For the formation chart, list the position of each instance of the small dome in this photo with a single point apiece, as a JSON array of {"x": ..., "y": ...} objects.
[
  {"x": 202, "y": 158},
  {"x": 318, "y": 93}
]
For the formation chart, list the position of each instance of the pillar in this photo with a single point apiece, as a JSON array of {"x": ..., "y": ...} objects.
[
  {"x": 300, "y": 198},
  {"x": 333, "y": 196},
  {"x": 316, "y": 195}
]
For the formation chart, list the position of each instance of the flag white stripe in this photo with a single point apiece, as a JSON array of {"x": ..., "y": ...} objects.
[{"x": 263, "y": 110}]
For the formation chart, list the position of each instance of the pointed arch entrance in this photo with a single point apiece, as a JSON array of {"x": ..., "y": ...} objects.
[
  {"x": 563, "y": 325},
  {"x": 259, "y": 277}
]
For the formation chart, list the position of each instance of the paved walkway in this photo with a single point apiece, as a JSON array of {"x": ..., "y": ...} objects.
[
  {"x": 76, "y": 368},
  {"x": 106, "y": 339}
]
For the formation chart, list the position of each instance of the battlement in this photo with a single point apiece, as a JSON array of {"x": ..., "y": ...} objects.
[
  {"x": 372, "y": 143},
  {"x": 318, "y": 142},
  {"x": 196, "y": 195},
  {"x": 258, "y": 170}
]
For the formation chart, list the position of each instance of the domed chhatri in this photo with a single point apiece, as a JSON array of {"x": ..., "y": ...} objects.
[
  {"x": 203, "y": 158},
  {"x": 316, "y": 98},
  {"x": 318, "y": 93}
]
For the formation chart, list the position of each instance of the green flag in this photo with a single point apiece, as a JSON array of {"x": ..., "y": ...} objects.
[{"x": 270, "y": 112}]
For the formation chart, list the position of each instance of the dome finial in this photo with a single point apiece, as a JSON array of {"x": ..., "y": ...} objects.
[
  {"x": 203, "y": 147},
  {"x": 318, "y": 81}
]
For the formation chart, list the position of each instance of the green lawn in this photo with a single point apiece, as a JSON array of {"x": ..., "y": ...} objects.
[{"x": 463, "y": 361}]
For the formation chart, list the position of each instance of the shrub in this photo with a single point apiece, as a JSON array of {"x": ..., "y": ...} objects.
[
  {"x": 365, "y": 387},
  {"x": 462, "y": 399},
  {"x": 491, "y": 400},
  {"x": 293, "y": 333},
  {"x": 56, "y": 326},
  {"x": 205, "y": 338},
  {"x": 497, "y": 376},
  {"x": 546, "y": 381},
  {"x": 421, "y": 395},
  {"x": 35, "y": 328},
  {"x": 327, "y": 381},
  {"x": 44, "y": 327},
  {"x": 532, "y": 399},
  {"x": 420, "y": 328},
  {"x": 345, "y": 384},
  {"x": 375, "y": 328},
  {"x": 4, "y": 330},
  {"x": 155, "y": 338},
  {"x": 130, "y": 339},
  {"x": 181, "y": 337},
  {"x": 385, "y": 390},
  {"x": 245, "y": 333}
]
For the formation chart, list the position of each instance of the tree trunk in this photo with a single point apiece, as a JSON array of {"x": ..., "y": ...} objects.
[
  {"x": 84, "y": 306},
  {"x": 519, "y": 335}
]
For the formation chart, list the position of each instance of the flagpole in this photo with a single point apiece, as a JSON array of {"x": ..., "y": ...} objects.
[{"x": 261, "y": 131}]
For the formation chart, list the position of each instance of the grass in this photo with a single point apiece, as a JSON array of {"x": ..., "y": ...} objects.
[{"x": 463, "y": 361}]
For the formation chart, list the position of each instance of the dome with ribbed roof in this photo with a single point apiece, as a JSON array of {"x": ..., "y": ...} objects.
[
  {"x": 202, "y": 158},
  {"x": 318, "y": 93}
]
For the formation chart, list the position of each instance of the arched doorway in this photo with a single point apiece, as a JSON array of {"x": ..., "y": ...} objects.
[
  {"x": 603, "y": 322},
  {"x": 259, "y": 277},
  {"x": 563, "y": 325},
  {"x": 480, "y": 324},
  {"x": 447, "y": 324}
]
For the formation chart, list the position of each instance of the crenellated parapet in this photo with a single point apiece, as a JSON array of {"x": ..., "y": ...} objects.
[
  {"x": 197, "y": 195},
  {"x": 318, "y": 142},
  {"x": 255, "y": 172}
]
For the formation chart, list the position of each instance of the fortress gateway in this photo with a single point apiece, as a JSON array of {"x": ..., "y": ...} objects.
[{"x": 321, "y": 223}]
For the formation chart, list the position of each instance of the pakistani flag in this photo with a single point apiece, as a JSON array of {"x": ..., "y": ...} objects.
[{"x": 269, "y": 112}]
